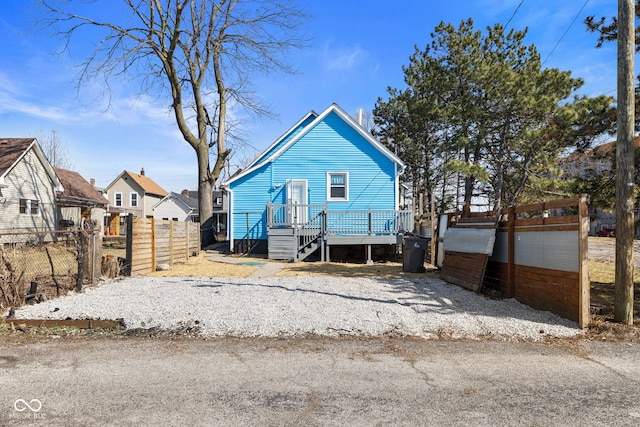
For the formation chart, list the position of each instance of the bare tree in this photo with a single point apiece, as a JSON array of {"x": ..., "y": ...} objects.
[
  {"x": 55, "y": 150},
  {"x": 202, "y": 53}
]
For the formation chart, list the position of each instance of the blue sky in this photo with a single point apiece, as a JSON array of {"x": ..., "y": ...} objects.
[{"x": 357, "y": 50}]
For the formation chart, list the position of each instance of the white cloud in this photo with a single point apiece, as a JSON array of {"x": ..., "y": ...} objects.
[{"x": 343, "y": 58}]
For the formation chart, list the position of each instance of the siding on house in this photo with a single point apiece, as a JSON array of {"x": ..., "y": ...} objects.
[
  {"x": 148, "y": 193},
  {"x": 176, "y": 207},
  {"x": 331, "y": 145},
  {"x": 282, "y": 141},
  {"x": 126, "y": 188},
  {"x": 30, "y": 180}
]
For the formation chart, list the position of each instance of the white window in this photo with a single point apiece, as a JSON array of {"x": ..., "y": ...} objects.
[
  {"x": 118, "y": 199},
  {"x": 134, "y": 200},
  {"x": 337, "y": 186},
  {"x": 29, "y": 207}
]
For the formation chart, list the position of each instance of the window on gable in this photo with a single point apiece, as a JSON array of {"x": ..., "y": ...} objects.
[
  {"x": 29, "y": 207},
  {"x": 134, "y": 200},
  {"x": 35, "y": 207},
  {"x": 118, "y": 199},
  {"x": 338, "y": 186}
]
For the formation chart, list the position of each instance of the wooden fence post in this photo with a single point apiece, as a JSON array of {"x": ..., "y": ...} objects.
[
  {"x": 511, "y": 252},
  {"x": 153, "y": 244},
  {"x": 171, "y": 242},
  {"x": 584, "y": 309},
  {"x": 129, "y": 241},
  {"x": 186, "y": 232}
]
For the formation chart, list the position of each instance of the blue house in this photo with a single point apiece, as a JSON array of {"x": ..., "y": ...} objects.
[{"x": 326, "y": 181}]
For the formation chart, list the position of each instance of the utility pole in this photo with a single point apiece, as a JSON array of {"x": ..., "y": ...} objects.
[{"x": 623, "y": 308}]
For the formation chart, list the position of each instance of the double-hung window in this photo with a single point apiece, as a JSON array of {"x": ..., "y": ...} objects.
[
  {"x": 118, "y": 199},
  {"x": 29, "y": 207},
  {"x": 337, "y": 186},
  {"x": 134, "y": 200}
]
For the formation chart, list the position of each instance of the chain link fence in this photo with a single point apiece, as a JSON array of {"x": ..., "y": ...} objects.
[{"x": 40, "y": 265}]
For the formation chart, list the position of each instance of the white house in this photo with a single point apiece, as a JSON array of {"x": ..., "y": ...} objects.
[{"x": 28, "y": 186}]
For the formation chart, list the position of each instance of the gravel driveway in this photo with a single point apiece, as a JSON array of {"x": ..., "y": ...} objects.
[{"x": 293, "y": 306}]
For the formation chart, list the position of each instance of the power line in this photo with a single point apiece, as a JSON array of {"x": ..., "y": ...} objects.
[
  {"x": 514, "y": 14},
  {"x": 565, "y": 32}
]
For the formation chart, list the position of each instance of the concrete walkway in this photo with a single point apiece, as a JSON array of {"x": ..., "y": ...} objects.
[{"x": 265, "y": 268}]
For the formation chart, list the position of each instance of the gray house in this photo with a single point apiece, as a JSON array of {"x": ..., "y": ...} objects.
[
  {"x": 177, "y": 207},
  {"x": 131, "y": 194}
]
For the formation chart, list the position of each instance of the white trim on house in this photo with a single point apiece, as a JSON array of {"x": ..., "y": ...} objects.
[
  {"x": 43, "y": 159},
  {"x": 332, "y": 108},
  {"x": 330, "y": 185},
  {"x": 134, "y": 193},
  {"x": 115, "y": 199},
  {"x": 259, "y": 159}
]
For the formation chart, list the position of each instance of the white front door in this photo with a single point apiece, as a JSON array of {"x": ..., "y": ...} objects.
[{"x": 297, "y": 195}]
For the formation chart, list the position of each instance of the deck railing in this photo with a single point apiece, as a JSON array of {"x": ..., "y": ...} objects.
[
  {"x": 288, "y": 215},
  {"x": 358, "y": 222}
]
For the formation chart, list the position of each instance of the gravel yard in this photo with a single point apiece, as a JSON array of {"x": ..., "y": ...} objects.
[{"x": 293, "y": 306}]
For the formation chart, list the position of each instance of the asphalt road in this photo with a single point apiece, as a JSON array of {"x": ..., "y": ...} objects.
[{"x": 392, "y": 381}]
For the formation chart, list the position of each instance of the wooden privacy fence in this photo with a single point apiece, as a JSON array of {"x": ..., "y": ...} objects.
[
  {"x": 151, "y": 242},
  {"x": 539, "y": 257}
]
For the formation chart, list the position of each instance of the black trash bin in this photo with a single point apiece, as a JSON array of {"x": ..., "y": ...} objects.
[{"x": 413, "y": 250}]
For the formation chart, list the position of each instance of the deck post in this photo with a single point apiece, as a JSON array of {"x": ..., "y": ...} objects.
[
  {"x": 369, "y": 260},
  {"x": 323, "y": 227}
]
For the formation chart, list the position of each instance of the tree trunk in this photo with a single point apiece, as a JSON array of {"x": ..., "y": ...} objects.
[{"x": 205, "y": 198}]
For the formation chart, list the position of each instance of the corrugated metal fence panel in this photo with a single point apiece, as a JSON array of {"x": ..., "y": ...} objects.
[
  {"x": 553, "y": 250},
  {"x": 470, "y": 240}
]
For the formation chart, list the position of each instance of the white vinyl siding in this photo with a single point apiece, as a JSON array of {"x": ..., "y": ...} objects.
[{"x": 28, "y": 181}]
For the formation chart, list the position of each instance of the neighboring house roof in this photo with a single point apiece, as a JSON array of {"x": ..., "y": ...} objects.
[
  {"x": 148, "y": 185},
  {"x": 12, "y": 150},
  {"x": 77, "y": 189},
  {"x": 187, "y": 202},
  {"x": 193, "y": 195},
  {"x": 308, "y": 122}
]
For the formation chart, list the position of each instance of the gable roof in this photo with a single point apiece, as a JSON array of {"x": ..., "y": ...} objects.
[
  {"x": 301, "y": 128},
  {"x": 76, "y": 188},
  {"x": 181, "y": 199},
  {"x": 148, "y": 185},
  {"x": 12, "y": 150},
  {"x": 285, "y": 137}
]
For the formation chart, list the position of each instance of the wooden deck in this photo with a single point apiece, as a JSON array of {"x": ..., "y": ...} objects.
[{"x": 296, "y": 231}]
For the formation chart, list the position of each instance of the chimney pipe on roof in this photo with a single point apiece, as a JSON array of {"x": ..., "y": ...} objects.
[
  {"x": 142, "y": 171},
  {"x": 185, "y": 192},
  {"x": 93, "y": 182}
]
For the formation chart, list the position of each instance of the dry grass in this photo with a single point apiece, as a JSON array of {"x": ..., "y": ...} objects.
[
  {"x": 379, "y": 270},
  {"x": 602, "y": 276},
  {"x": 199, "y": 266}
]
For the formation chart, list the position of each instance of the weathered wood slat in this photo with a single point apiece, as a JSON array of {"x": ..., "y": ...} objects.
[
  {"x": 161, "y": 241},
  {"x": 464, "y": 269},
  {"x": 71, "y": 323}
]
